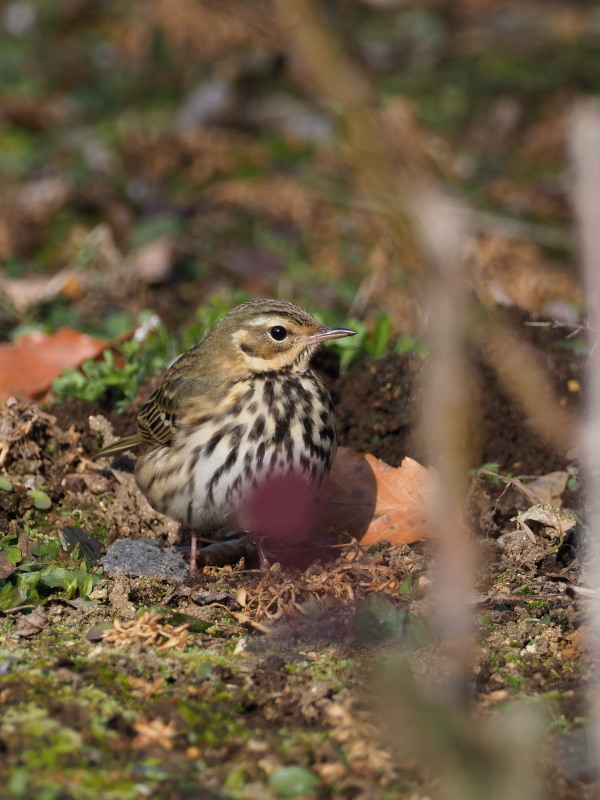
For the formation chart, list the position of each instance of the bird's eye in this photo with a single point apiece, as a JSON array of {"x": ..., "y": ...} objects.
[{"x": 278, "y": 332}]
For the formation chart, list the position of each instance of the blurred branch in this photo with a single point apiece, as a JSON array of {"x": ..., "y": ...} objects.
[
  {"x": 448, "y": 425},
  {"x": 584, "y": 144}
]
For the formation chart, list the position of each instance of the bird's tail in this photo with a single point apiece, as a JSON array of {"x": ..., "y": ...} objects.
[{"x": 120, "y": 445}]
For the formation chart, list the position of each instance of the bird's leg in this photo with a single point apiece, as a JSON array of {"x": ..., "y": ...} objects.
[
  {"x": 193, "y": 568},
  {"x": 264, "y": 562}
]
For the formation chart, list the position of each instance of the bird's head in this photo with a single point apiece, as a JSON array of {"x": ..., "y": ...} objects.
[{"x": 269, "y": 335}]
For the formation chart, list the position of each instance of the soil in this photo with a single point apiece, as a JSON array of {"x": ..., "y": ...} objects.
[{"x": 279, "y": 669}]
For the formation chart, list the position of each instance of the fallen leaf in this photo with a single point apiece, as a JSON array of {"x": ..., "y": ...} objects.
[
  {"x": 23, "y": 293},
  {"x": 30, "y": 364},
  {"x": 549, "y": 488},
  {"x": 31, "y": 624},
  {"x": 6, "y": 567},
  {"x": 556, "y": 521},
  {"x": 371, "y": 500},
  {"x": 154, "y": 733}
]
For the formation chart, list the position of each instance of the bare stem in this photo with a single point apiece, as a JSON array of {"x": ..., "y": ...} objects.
[{"x": 585, "y": 153}]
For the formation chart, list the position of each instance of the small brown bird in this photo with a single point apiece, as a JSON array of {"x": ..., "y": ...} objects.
[{"x": 238, "y": 409}]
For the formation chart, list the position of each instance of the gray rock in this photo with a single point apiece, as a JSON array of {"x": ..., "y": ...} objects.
[{"x": 139, "y": 557}]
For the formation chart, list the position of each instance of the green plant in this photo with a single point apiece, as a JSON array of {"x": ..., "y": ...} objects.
[
  {"x": 32, "y": 569},
  {"x": 106, "y": 380},
  {"x": 115, "y": 379}
]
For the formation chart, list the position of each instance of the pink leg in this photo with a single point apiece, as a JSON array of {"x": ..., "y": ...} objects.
[
  {"x": 193, "y": 569},
  {"x": 264, "y": 562}
]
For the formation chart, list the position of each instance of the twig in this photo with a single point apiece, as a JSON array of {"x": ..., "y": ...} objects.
[{"x": 584, "y": 141}]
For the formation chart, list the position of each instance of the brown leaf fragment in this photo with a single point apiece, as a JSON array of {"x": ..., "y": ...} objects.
[
  {"x": 549, "y": 488},
  {"x": 6, "y": 568},
  {"x": 154, "y": 733},
  {"x": 29, "y": 365},
  {"x": 371, "y": 500},
  {"x": 150, "y": 629},
  {"x": 31, "y": 624}
]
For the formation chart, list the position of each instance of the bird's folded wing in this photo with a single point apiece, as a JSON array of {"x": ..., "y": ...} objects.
[{"x": 157, "y": 421}]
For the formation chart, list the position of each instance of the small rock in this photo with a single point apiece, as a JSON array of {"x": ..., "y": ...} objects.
[{"x": 143, "y": 557}]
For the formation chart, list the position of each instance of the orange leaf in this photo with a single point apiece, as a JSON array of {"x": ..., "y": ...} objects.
[
  {"x": 371, "y": 500},
  {"x": 29, "y": 365}
]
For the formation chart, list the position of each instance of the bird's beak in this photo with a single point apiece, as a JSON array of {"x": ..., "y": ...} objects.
[{"x": 325, "y": 333}]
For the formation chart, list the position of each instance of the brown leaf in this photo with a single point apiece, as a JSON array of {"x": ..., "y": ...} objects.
[
  {"x": 550, "y": 487},
  {"x": 30, "y": 364},
  {"x": 371, "y": 500},
  {"x": 154, "y": 733},
  {"x": 31, "y": 624},
  {"x": 6, "y": 568},
  {"x": 23, "y": 293}
]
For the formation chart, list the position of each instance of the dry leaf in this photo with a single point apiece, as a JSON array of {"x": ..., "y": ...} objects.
[
  {"x": 30, "y": 364},
  {"x": 23, "y": 293},
  {"x": 154, "y": 733},
  {"x": 6, "y": 567},
  {"x": 31, "y": 624},
  {"x": 556, "y": 521},
  {"x": 549, "y": 488},
  {"x": 370, "y": 500}
]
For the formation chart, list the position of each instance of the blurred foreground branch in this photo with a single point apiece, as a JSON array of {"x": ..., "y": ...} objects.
[{"x": 585, "y": 152}]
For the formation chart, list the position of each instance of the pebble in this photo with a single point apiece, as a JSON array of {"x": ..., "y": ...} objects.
[{"x": 144, "y": 557}]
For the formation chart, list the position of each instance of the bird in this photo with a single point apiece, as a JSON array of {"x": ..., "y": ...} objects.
[{"x": 241, "y": 408}]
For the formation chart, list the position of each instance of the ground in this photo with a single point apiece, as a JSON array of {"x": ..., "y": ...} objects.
[
  {"x": 226, "y": 681},
  {"x": 176, "y": 159}
]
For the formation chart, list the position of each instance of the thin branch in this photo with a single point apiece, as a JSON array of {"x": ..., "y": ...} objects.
[{"x": 584, "y": 144}]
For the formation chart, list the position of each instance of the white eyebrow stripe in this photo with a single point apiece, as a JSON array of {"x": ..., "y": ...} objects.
[{"x": 271, "y": 319}]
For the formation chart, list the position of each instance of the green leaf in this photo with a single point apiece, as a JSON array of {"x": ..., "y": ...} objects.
[
  {"x": 379, "y": 343},
  {"x": 56, "y": 577},
  {"x": 11, "y": 596},
  {"x": 40, "y": 499},
  {"x": 5, "y": 484},
  {"x": 293, "y": 781},
  {"x": 14, "y": 555}
]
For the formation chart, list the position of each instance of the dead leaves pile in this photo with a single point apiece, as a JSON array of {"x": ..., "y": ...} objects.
[
  {"x": 354, "y": 574},
  {"x": 150, "y": 630}
]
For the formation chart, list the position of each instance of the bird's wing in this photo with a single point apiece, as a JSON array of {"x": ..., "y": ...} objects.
[{"x": 157, "y": 421}]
